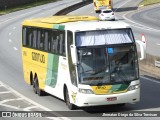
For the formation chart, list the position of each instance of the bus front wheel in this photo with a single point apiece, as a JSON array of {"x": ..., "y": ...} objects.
[{"x": 70, "y": 105}]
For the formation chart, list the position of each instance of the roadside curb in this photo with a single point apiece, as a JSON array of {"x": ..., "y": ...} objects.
[{"x": 148, "y": 6}]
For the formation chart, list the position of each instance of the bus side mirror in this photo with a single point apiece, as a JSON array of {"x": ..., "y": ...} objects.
[
  {"x": 74, "y": 54},
  {"x": 142, "y": 46}
]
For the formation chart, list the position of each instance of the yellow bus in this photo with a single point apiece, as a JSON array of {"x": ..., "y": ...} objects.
[
  {"x": 102, "y": 4},
  {"x": 81, "y": 60}
]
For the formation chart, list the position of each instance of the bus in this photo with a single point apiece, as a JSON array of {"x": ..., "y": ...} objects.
[
  {"x": 81, "y": 60},
  {"x": 102, "y": 4}
]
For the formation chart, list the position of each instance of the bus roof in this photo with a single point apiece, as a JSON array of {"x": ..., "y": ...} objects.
[{"x": 74, "y": 23}]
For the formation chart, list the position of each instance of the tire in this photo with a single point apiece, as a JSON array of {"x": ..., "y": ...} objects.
[
  {"x": 69, "y": 105},
  {"x": 36, "y": 88},
  {"x": 121, "y": 105}
]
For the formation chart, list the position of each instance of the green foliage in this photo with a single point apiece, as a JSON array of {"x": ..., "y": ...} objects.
[
  {"x": 35, "y": 3},
  {"x": 149, "y": 2}
]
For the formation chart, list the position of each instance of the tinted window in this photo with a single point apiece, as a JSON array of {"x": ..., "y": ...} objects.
[
  {"x": 44, "y": 39},
  {"x": 107, "y": 11}
]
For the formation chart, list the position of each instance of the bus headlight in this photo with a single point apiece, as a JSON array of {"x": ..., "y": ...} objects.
[
  {"x": 85, "y": 91},
  {"x": 133, "y": 87}
]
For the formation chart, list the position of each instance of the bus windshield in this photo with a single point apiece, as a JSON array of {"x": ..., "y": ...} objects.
[
  {"x": 104, "y": 37},
  {"x": 106, "y": 56},
  {"x": 107, "y": 65}
]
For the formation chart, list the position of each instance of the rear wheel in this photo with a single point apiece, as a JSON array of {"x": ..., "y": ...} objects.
[
  {"x": 70, "y": 105},
  {"x": 36, "y": 87}
]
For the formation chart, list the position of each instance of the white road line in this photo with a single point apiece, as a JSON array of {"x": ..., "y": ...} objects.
[
  {"x": 1, "y": 85},
  {"x": 10, "y": 33},
  {"x": 5, "y": 92},
  {"x": 22, "y": 15},
  {"x": 10, "y": 40},
  {"x": 10, "y": 106},
  {"x": 18, "y": 16},
  {"x": 34, "y": 103},
  {"x": 158, "y": 44},
  {"x": 14, "y": 28},
  {"x": 8, "y": 100},
  {"x": 42, "y": 13},
  {"x": 150, "y": 79},
  {"x": 122, "y": 5},
  {"x": 15, "y": 48},
  {"x": 138, "y": 25},
  {"x": 30, "y": 107}
]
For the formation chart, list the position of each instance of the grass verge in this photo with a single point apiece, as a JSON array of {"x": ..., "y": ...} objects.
[
  {"x": 22, "y": 7},
  {"x": 149, "y": 2}
]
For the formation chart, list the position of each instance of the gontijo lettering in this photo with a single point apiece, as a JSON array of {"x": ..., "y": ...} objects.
[{"x": 38, "y": 57}]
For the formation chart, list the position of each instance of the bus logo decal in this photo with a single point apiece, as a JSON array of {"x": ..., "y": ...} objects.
[{"x": 38, "y": 57}]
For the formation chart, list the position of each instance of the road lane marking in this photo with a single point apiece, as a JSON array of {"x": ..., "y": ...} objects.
[
  {"x": 10, "y": 33},
  {"x": 32, "y": 12},
  {"x": 9, "y": 106},
  {"x": 30, "y": 107},
  {"x": 42, "y": 13},
  {"x": 150, "y": 79},
  {"x": 10, "y": 40},
  {"x": 14, "y": 28},
  {"x": 5, "y": 92},
  {"x": 1, "y": 85},
  {"x": 8, "y": 100},
  {"x": 15, "y": 48},
  {"x": 158, "y": 44},
  {"x": 32, "y": 102},
  {"x": 138, "y": 25},
  {"x": 122, "y": 5}
]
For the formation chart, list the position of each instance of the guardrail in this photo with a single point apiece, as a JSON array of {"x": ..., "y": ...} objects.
[{"x": 73, "y": 7}]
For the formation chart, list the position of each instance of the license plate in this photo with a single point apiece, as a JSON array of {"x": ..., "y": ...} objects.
[{"x": 111, "y": 99}]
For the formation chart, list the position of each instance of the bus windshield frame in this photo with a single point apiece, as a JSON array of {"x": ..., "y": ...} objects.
[{"x": 107, "y": 64}]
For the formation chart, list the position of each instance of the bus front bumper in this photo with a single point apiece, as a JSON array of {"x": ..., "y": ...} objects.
[{"x": 83, "y": 100}]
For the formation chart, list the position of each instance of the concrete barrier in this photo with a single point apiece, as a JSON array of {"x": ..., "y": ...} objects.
[{"x": 73, "y": 7}]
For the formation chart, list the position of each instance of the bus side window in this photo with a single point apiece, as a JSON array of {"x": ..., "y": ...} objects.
[
  {"x": 40, "y": 41},
  {"x": 57, "y": 45},
  {"x": 46, "y": 41},
  {"x": 34, "y": 38},
  {"x": 72, "y": 69},
  {"x": 50, "y": 41},
  {"x": 30, "y": 37},
  {"x": 53, "y": 42},
  {"x": 24, "y": 36},
  {"x": 57, "y": 39},
  {"x": 62, "y": 45}
]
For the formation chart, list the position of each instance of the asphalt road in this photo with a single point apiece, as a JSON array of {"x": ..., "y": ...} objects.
[{"x": 11, "y": 73}]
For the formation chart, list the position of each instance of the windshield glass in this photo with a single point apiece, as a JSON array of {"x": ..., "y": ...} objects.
[
  {"x": 105, "y": 65},
  {"x": 104, "y": 37}
]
